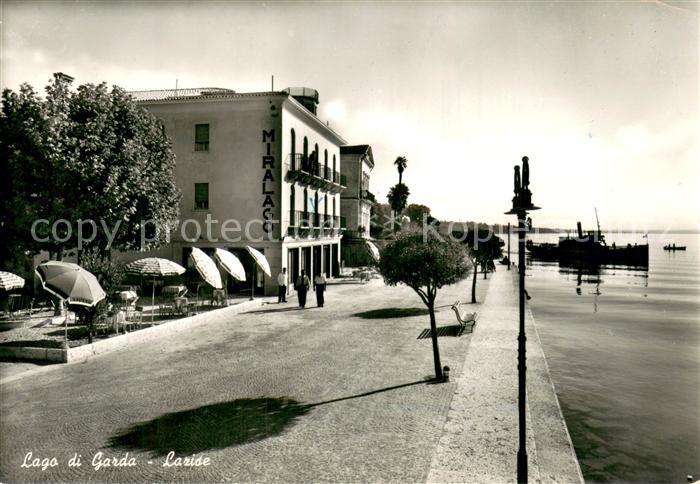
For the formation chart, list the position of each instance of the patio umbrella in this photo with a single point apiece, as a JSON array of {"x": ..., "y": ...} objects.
[
  {"x": 155, "y": 267},
  {"x": 230, "y": 263},
  {"x": 206, "y": 268},
  {"x": 261, "y": 261},
  {"x": 70, "y": 282},
  {"x": 9, "y": 281},
  {"x": 373, "y": 250}
]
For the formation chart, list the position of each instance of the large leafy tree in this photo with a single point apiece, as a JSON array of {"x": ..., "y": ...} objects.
[
  {"x": 425, "y": 263},
  {"x": 483, "y": 247},
  {"x": 415, "y": 212},
  {"x": 88, "y": 154}
]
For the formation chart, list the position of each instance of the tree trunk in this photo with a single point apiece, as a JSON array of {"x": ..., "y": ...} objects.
[
  {"x": 485, "y": 269},
  {"x": 433, "y": 337},
  {"x": 474, "y": 284}
]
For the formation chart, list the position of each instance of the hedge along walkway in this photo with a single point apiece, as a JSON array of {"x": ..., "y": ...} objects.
[{"x": 480, "y": 438}]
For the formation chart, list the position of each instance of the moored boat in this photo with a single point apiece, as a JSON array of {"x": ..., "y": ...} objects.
[
  {"x": 673, "y": 247},
  {"x": 590, "y": 248}
]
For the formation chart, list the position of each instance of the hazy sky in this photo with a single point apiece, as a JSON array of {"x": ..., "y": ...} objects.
[{"x": 603, "y": 97}]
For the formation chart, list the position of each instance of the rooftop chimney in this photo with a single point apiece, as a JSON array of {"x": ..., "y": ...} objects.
[
  {"x": 60, "y": 76},
  {"x": 305, "y": 95}
]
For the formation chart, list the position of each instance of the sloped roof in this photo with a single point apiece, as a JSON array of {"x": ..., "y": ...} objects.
[{"x": 359, "y": 150}]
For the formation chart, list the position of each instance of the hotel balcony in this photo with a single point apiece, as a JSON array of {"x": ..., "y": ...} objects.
[
  {"x": 305, "y": 170},
  {"x": 315, "y": 224}
]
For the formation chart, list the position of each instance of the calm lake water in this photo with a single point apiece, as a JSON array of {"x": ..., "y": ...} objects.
[{"x": 623, "y": 348}]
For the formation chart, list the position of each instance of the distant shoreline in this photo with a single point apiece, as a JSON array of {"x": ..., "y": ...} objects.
[{"x": 502, "y": 228}]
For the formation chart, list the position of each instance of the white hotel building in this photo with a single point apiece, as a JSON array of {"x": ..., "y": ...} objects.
[{"x": 262, "y": 161}]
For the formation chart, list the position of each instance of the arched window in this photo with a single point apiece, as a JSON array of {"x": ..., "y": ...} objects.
[
  {"x": 333, "y": 207},
  {"x": 335, "y": 178},
  {"x": 325, "y": 205},
  {"x": 325, "y": 164},
  {"x": 305, "y": 157},
  {"x": 306, "y": 201},
  {"x": 293, "y": 160},
  {"x": 314, "y": 168},
  {"x": 316, "y": 210},
  {"x": 292, "y": 208}
]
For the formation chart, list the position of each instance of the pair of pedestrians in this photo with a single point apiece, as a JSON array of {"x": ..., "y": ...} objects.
[{"x": 302, "y": 286}]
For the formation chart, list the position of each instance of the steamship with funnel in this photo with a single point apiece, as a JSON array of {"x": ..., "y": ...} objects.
[{"x": 590, "y": 248}]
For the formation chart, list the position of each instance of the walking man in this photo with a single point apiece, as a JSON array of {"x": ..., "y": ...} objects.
[
  {"x": 320, "y": 286},
  {"x": 282, "y": 286},
  {"x": 302, "y": 286}
]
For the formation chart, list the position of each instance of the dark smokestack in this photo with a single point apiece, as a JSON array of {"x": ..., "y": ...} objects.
[{"x": 580, "y": 230}]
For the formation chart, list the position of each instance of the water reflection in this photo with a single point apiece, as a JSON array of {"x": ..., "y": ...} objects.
[{"x": 583, "y": 274}]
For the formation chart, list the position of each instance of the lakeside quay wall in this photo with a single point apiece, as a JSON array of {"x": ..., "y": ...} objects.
[{"x": 479, "y": 442}]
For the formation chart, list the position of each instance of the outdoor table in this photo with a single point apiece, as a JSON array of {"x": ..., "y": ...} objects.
[
  {"x": 128, "y": 297},
  {"x": 177, "y": 291}
]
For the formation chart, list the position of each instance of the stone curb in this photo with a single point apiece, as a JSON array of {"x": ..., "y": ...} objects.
[{"x": 55, "y": 355}]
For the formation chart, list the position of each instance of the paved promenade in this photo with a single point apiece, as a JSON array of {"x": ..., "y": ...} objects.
[
  {"x": 279, "y": 394},
  {"x": 480, "y": 439}
]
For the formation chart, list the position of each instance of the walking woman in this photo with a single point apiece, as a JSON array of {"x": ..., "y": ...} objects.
[{"x": 302, "y": 286}]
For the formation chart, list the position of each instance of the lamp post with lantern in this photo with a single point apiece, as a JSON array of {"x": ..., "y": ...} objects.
[{"x": 522, "y": 204}]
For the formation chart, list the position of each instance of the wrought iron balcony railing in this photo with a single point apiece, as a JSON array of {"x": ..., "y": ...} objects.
[{"x": 298, "y": 163}]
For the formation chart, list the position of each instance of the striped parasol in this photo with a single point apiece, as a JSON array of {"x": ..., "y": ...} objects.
[
  {"x": 206, "y": 268},
  {"x": 155, "y": 267},
  {"x": 70, "y": 282},
  {"x": 230, "y": 263},
  {"x": 9, "y": 281}
]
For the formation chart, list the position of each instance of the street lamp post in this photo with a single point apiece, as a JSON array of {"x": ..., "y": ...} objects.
[
  {"x": 522, "y": 203},
  {"x": 508, "y": 245}
]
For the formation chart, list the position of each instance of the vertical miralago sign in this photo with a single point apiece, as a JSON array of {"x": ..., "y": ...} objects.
[{"x": 268, "y": 181}]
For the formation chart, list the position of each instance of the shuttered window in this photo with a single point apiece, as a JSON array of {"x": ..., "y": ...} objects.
[
  {"x": 201, "y": 196},
  {"x": 201, "y": 137}
]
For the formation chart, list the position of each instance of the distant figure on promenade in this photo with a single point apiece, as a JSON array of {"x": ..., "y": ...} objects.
[
  {"x": 320, "y": 286},
  {"x": 282, "y": 286},
  {"x": 302, "y": 286}
]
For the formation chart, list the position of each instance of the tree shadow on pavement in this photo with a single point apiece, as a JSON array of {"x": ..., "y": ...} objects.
[
  {"x": 386, "y": 313},
  {"x": 427, "y": 380},
  {"x": 224, "y": 424},
  {"x": 214, "y": 426}
]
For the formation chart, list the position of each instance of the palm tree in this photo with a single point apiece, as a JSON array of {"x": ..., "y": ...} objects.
[{"x": 400, "y": 166}]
